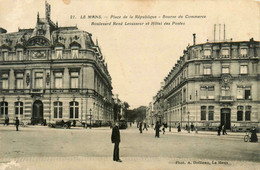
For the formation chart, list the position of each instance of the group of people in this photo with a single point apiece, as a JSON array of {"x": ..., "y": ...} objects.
[
  {"x": 223, "y": 129},
  {"x": 17, "y": 122},
  {"x": 141, "y": 128}
]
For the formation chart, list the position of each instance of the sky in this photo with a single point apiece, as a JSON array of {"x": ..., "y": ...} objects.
[{"x": 140, "y": 57}]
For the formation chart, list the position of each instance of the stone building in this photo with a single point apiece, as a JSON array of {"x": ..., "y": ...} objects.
[
  {"x": 53, "y": 73},
  {"x": 215, "y": 83}
]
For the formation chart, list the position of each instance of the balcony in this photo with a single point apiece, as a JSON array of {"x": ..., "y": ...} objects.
[
  {"x": 37, "y": 91},
  {"x": 226, "y": 99}
]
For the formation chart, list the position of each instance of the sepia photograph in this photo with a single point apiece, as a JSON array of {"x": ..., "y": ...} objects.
[{"x": 133, "y": 84}]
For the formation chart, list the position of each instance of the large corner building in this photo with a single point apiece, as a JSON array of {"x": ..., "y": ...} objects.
[
  {"x": 53, "y": 73},
  {"x": 211, "y": 84}
]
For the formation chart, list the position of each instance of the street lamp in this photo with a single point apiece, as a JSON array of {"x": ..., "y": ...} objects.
[
  {"x": 188, "y": 122},
  {"x": 90, "y": 118}
]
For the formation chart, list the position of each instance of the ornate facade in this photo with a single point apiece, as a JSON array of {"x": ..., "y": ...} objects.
[
  {"x": 215, "y": 83},
  {"x": 53, "y": 73}
]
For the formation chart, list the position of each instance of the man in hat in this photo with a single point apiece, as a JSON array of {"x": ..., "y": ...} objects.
[{"x": 115, "y": 138}]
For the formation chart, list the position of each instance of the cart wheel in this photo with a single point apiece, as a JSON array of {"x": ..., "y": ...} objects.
[
  {"x": 246, "y": 138},
  {"x": 65, "y": 126}
]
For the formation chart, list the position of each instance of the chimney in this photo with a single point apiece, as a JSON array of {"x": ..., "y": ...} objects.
[{"x": 194, "y": 39}]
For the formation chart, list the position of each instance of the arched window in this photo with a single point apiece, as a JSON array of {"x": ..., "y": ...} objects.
[
  {"x": 57, "y": 109},
  {"x": 3, "y": 109},
  {"x": 18, "y": 108},
  {"x": 240, "y": 113},
  {"x": 203, "y": 113},
  {"x": 248, "y": 113},
  {"x": 74, "y": 110}
]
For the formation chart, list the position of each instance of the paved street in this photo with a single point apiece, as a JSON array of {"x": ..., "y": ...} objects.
[{"x": 37, "y": 145}]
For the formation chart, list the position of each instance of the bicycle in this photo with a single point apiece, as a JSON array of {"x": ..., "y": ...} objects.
[{"x": 247, "y": 137}]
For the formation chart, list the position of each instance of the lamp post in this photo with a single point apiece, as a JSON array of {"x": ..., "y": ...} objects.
[
  {"x": 188, "y": 122},
  {"x": 90, "y": 118}
]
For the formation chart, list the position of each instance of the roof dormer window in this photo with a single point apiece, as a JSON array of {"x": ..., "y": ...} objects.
[
  {"x": 207, "y": 53},
  {"x": 243, "y": 52},
  {"x": 75, "y": 53},
  {"x": 225, "y": 53}
]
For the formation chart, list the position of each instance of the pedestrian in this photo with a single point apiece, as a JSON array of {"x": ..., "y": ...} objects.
[
  {"x": 234, "y": 128},
  {"x": 224, "y": 132},
  {"x": 157, "y": 130},
  {"x": 17, "y": 123},
  {"x": 74, "y": 123},
  {"x": 145, "y": 126},
  {"x": 219, "y": 129},
  {"x": 186, "y": 127},
  {"x": 164, "y": 126},
  {"x": 253, "y": 135},
  {"x": 115, "y": 138},
  {"x": 192, "y": 127},
  {"x": 179, "y": 127},
  {"x": 5, "y": 121},
  {"x": 140, "y": 127}
]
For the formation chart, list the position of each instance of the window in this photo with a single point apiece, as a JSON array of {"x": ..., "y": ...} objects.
[
  {"x": 248, "y": 113},
  {"x": 211, "y": 112},
  {"x": 19, "y": 81},
  {"x": 74, "y": 110},
  {"x": 225, "y": 69},
  {"x": 74, "y": 79},
  {"x": 5, "y": 81},
  {"x": 243, "y": 51},
  {"x": 197, "y": 69},
  {"x": 75, "y": 53},
  {"x": 244, "y": 92},
  {"x": 207, "y": 53},
  {"x": 240, "y": 113},
  {"x": 38, "y": 80},
  {"x": 57, "y": 109},
  {"x": 207, "y": 70},
  {"x": 3, "y": 109},
  {"x": 58, "y": 80},
  {"x": 254, "y": 69},
  {"x": 207, "y": 92},
  {"x": 225, "y": 91},
  {"x": 203, "y": 113},
  {"x": 5, "y": 55},
  {"x": 225, "y": 53},
  {"x": 243, "y": 69},
  {"x": 19, "y": 54},
  {"x": 18, "y": 108},
  {"x": 58, "y": 53}
]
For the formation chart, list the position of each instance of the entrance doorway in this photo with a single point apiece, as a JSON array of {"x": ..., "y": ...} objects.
[
  {"x": 37, "y": 115},
  {"x": 225, "y": 117}
]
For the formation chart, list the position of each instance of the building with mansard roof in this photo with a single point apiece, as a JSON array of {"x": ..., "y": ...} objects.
[
  {"x": 214, "y": 83},
  {"x": 53, "y": 73}
]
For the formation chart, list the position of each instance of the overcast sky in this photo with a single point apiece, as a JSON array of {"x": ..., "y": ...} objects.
[{"x": 140, "y": 57}]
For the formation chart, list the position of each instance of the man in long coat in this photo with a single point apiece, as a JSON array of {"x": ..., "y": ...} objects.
[
  {"x": 254, "y": 135},
  {"x": 17, "y": 123},
  {"x": 157, "y": 130},
  {"x": 115, "y": 138}
]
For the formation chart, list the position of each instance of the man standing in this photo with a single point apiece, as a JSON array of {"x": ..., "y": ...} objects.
[
  {"x": 17, "y": 123},
  {"x": 115, "y": 138},
  {"x": 157, "y": 130},
  {"x": 140, "y": 127}
]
